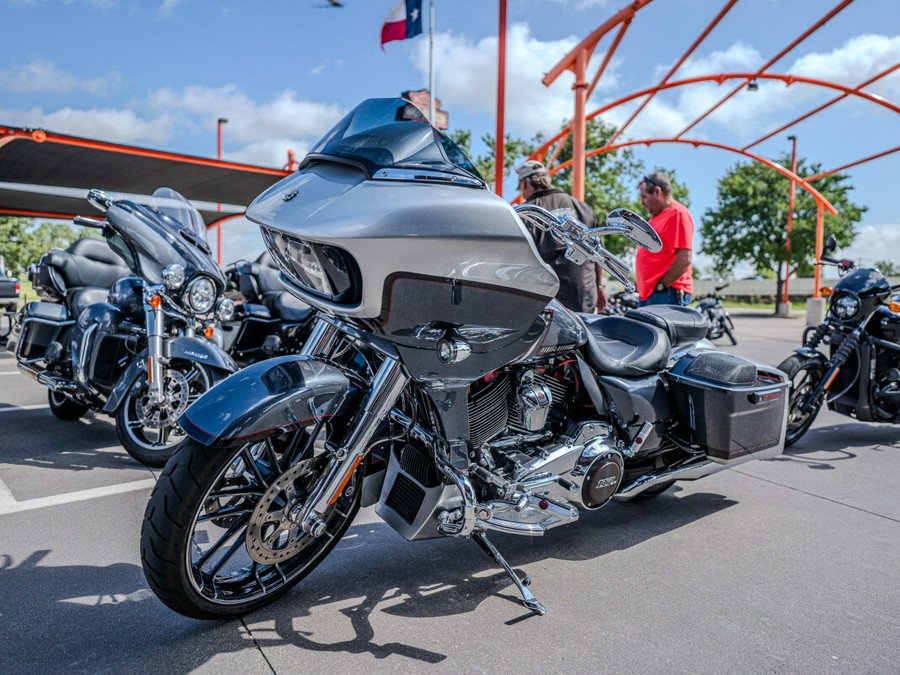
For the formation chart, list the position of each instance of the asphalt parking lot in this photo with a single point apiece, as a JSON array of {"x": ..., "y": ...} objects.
[{"x": 787, "y": 565}]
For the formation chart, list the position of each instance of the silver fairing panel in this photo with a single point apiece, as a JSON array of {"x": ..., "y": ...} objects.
[{"x": 415, "y": 229}]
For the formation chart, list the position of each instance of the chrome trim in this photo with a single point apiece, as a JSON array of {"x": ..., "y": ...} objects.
[{"x": 425, "y": 175}]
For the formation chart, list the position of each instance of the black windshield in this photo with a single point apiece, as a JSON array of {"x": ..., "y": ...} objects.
[{"x": 385, "y": 133}]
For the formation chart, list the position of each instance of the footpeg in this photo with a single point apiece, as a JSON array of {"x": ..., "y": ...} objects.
[{"x": 528, "y": 599}]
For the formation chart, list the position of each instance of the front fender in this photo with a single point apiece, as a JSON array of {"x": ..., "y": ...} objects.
[
  {"x": 199, "y": 351},
  {"x": 181, "y": 348},
  {"x": 278, "y": 394}
]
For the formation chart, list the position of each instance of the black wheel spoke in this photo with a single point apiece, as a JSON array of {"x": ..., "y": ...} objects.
[
  {"x": 273, "y": 457},
  {"x": 251, "y": 463},
  {"x": 234, "y": 548}
]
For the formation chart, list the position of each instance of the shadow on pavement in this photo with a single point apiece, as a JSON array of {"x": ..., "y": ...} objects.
[
  {"x": 822, "y": 446},
  {"x": 97, "y": 619}
]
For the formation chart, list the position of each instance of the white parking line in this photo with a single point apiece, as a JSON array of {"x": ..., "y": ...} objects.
[
  {"x": 16, "y": 408},
  {"x": 8, "y": 503}
]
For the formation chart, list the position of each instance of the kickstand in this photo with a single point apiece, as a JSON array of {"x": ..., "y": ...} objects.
[{"x": 528, "y": 599}]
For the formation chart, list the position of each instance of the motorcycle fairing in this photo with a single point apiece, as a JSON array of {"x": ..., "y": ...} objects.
[{"x": 283, "y": 393}]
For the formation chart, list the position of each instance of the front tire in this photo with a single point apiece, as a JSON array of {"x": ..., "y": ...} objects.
[
  {"x": 218, "y": 538},
  {"x": 149, "y": 431},
  {"x": 64, "y": 407},
  {"x": 804, "y": 374}
]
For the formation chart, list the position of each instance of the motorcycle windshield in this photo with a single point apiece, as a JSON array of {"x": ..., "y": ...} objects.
[
  {"x": 391, "y": 133},
  {"x": 165, "y": 232}
]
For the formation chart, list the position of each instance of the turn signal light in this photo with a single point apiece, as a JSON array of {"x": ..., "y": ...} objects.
[
  {"x": 155, "y": 300},
  {"x": 208, "y": 332},
  {"x": 894, "y": 306},
  {"x": 825, "y": 290}
]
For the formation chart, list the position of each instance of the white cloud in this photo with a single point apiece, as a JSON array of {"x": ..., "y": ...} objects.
[
  {"x": 119, "y": 126},
  {"x": 854, "y": 62},
  {"x": 466, "y": 75},
  {"x": 41, "y": 75}
]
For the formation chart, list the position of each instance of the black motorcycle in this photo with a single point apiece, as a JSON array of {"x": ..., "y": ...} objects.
[
  {"x": 268, "y": 320},
  {"x": 621, "y": 301},
  {"x": 137, "y": 349},
  {"x": 442, "y": 383},
  {"x": 860, "y": 375},
  {"x": 720, "y": 322}
]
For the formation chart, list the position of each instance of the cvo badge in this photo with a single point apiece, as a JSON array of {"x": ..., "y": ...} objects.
[{"x": 289, "y": 196}]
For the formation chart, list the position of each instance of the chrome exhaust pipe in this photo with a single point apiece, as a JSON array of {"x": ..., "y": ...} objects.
[
  {"x": 56, "y": 383},
  {"x": 701, "y": 468}
]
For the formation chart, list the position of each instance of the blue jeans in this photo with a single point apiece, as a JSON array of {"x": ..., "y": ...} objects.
[{"x": 667, "y": 297}]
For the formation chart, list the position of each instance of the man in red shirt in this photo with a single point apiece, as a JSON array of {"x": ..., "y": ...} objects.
[{"x": 666, "y": 277}]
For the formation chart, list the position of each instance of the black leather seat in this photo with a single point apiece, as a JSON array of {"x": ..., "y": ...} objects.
[
  {"x": 617, "y": 345},
  {"x": 79, "y": 299},
  {"x": 289, "y": 308},
  {"x": 87, "y": 262},
  {"x": 681, "y": 324}
]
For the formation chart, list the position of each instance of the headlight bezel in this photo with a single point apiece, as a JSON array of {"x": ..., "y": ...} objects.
[
  {"x": 323, "y": 270},
  {"x": 200, "y": 294},
  {"x": 845, "y": 306},
  {"x": 225, "y": 310},
  {"x": 173, "y": 276}
]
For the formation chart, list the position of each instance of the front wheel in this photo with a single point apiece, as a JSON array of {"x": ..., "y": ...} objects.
[
  {"x": 220, "y": 534},
  {"x": 804, "y": 374},
  {"x": 149, "y": 430},
  {"x": 728, "y": 327}
]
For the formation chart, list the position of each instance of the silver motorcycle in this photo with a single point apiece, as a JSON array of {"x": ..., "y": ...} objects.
[{"x": 441, "y": 384}]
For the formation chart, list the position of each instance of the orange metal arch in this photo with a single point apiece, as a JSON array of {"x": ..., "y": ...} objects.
[
  {"x": 720, "y": 78},
  {"x": 787, "y": 173}
]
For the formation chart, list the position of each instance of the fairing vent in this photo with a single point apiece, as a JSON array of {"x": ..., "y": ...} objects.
[
  {"x": 488, "y": 410},
  {"x": 418, "y": 464},
  {"x": 405, "y": 498}
]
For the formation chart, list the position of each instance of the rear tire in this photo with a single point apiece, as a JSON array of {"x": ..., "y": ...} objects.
[
  {"x": 804, "y": 374},
  {"x": 64, "y": 407},
  {"x": 218, "y": 539}
]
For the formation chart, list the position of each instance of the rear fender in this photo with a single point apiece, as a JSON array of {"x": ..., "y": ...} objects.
[{"x": 275, "y": 395}]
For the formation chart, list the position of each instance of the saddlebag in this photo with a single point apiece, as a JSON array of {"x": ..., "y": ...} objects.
[
  {"x": 42, "y": 323},
  {"x": 730, "y": 407}
]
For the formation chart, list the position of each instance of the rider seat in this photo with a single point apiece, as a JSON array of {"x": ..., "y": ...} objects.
[
  {"x": 681, "y": 324},
  {"x": 620, "y": 346}
]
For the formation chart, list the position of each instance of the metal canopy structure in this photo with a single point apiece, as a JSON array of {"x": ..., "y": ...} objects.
[
  {"x": 48, "y": 175},
  {"x": 576, "y": 61}
]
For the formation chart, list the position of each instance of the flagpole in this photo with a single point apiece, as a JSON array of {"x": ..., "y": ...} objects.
[
  {"x": 500, "y": 144},
  {"x": 431, "y": 62}
]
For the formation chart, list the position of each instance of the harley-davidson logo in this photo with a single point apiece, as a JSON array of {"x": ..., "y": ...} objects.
[{"x": 289, "y": 196}]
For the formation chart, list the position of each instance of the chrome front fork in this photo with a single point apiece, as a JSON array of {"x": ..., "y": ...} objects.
[
  {"x": 155, "y": 327},
  {"x": 387, "y": 385}
]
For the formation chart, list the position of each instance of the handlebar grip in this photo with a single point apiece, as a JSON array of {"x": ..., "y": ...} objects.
[{"x": 83, "y": 221}]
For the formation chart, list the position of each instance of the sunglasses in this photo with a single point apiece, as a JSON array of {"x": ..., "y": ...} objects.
[{"x": 650, "y": 181}]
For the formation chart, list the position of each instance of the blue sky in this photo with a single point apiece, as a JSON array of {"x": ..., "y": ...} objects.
[{"x": 159, "y": 73}]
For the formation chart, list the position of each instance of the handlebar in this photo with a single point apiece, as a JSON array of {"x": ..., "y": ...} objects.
[
  {"x": 582, "y": 244},
  {"x": 83, "y": 221}
]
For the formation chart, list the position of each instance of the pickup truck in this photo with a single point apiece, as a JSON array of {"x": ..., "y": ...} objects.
[{"x": 9, "y": 292}]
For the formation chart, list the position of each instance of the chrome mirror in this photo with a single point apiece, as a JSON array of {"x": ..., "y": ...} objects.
[{"x": 631, "y": 225}]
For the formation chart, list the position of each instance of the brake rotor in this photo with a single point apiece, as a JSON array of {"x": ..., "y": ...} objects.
[
  {"x": 272, "y": 536},
  {"x": 176, "y": 392}
]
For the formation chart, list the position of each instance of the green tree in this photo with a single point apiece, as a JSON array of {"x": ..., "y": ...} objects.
[
  {"x": 514, "y": 148},
  {"x": 749, "y": 221},
  {"x": 23, "y": 242},
  {"x": 887, "y": 267}
]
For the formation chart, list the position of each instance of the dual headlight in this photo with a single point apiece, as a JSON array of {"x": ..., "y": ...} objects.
[
  {"x": 325, "y": 270},
  {"x": 845, "y": 306},
  {"x": 200, "y": 294}
]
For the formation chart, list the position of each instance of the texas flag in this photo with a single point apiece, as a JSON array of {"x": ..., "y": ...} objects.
[{"x": 404, "y": 21}]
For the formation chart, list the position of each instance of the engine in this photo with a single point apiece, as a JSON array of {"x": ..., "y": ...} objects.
[{"x": 530, "y": 448}]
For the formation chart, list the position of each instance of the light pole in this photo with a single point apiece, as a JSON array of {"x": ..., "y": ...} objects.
[
  {"x": 219, "y": 124},
  {"x": 786, "y": 302}
]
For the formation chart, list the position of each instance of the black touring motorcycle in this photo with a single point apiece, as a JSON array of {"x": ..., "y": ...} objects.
[
  {"x": 860, "y": 375},
  {"x": 441, "y": 382},
  {"x": 134, "y": 349}
]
